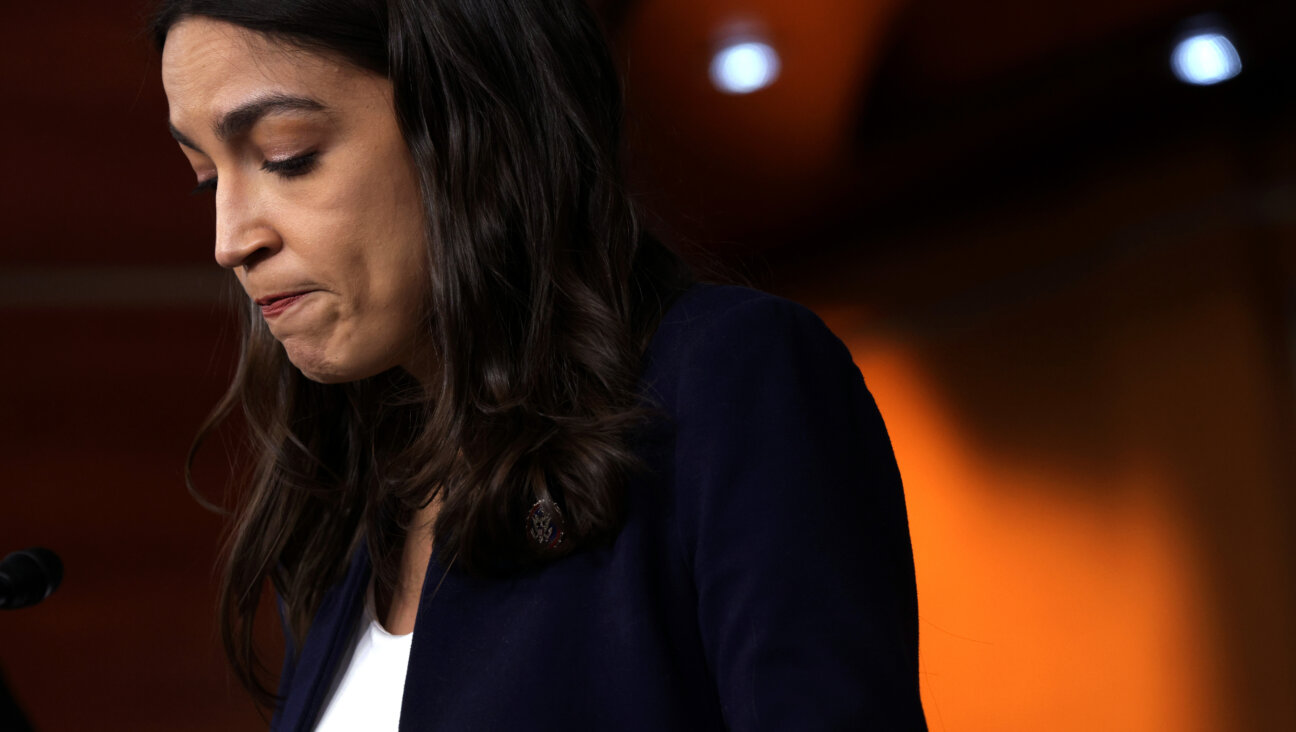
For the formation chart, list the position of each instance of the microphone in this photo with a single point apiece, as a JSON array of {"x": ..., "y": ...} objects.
[{"x": 28, "y": 576}]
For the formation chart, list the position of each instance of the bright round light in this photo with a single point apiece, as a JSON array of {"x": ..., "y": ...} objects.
[
  {"x": 1206, "y": 58},
  {"x": 744, "y": 67}
]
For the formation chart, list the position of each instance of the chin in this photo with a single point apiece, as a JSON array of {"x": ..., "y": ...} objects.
[
  {"x": 320, "y": 368},
  {"x": 325, "y": 377}
]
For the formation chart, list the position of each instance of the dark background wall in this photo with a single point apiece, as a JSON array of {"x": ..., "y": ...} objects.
[{"x": 1068, "y": 279}]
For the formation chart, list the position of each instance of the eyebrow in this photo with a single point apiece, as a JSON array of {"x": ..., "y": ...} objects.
[{"x": 239, "y": 120}]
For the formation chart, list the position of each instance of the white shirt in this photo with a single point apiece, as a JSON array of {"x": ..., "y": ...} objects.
[{"x": 367, "y": 696}]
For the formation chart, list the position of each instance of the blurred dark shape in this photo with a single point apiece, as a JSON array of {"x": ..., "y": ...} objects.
[
  {"x": 28, "y": 576},
  {"x": 11, "y": 717}
]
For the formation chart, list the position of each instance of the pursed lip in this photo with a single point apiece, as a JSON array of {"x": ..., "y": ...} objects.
[
  {"x": 269, "y": 299},
  {"x": 272, "y": 305}
]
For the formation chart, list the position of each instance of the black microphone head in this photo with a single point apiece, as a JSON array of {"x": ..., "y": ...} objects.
[{"x": 28, "y": 576}]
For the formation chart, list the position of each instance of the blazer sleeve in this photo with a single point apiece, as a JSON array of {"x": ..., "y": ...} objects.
[{"x": 793, "y": 516}]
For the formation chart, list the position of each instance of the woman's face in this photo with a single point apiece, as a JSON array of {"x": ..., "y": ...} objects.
[{"x": 317, "y": 208}]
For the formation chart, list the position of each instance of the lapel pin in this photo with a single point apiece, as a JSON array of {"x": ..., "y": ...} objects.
[{"x": 544, "y": 523}]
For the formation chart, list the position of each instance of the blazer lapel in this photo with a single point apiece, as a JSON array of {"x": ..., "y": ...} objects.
[{"x": 326, "y": 643}]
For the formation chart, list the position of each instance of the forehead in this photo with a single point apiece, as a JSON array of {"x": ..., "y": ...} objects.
[{"x": 210, "y": 67}]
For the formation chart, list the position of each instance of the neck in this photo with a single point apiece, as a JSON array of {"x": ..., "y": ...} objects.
[{"x": 398, "y": 610}]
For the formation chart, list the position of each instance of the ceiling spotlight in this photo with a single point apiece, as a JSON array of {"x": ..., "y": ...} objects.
[
  {"x": 742, "y": 68},
  {"x": 1205, "y": 58}
]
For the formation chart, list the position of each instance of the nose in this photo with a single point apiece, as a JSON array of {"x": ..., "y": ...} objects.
[{"x": 244, "y": 233}]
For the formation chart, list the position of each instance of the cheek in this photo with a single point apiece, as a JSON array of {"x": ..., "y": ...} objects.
[
  {"x": 413, "y": 288},
  {"x": 379, "y": 203},
  {"x": 396, "y": 240}
]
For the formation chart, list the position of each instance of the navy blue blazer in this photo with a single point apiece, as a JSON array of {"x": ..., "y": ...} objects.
[{"x": 763, "y": 580}]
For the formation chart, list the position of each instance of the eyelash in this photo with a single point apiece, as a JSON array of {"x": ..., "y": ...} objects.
[{"x": 287, "y": 168}]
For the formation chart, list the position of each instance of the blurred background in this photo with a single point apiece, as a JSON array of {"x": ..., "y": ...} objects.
[{"x": 1057, "y": 238}]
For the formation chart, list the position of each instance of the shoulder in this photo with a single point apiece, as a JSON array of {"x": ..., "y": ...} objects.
[
  {"x": 782, "y": 487},
  {"x": 706, "y": 311},
  {"x": 715, "y": 336}
]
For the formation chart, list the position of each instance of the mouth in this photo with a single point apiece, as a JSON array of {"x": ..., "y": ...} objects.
[{"x": 274, "y": 305}]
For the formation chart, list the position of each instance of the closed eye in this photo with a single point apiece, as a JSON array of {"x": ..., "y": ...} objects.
[
  {"x": 291, "y": 167},
  {"x": 287, "y": 168}
]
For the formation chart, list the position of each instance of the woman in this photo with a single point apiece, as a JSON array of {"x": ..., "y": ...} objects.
[{"x": 511, "y": 468}]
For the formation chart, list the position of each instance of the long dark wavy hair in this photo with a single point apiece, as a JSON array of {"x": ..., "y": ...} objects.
[{"x": 543, "y": 292}]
